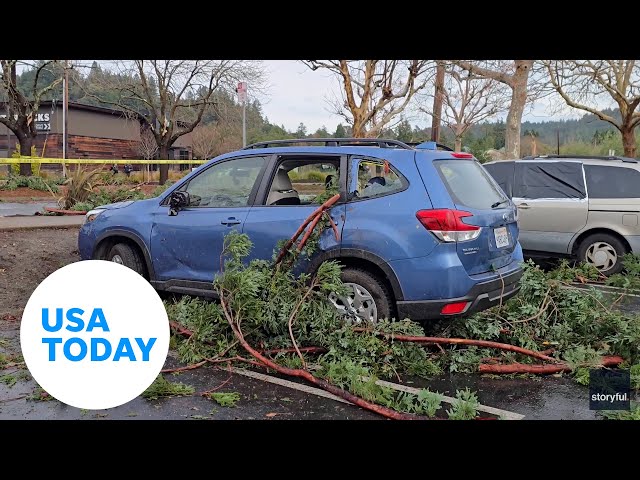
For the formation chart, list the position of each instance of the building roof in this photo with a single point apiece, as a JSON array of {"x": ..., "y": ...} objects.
[{"x": 83, "y": 106}]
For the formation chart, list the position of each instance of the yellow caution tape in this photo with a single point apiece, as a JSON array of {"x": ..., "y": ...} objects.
[{"x": 89, "y": 161}]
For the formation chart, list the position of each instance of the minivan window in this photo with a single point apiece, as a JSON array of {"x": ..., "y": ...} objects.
[
  {"x": 502, "y": 173},
  {"x": 468, "y": 183},
  {"x": 612, "y": 182},
  {"x": 549, "y": 180}
]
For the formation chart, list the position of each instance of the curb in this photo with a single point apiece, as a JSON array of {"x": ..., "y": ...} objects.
[{"x": 39, "y": 222}]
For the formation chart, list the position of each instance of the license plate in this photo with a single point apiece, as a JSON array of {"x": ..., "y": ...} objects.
[{"x": 502, "y": 237}]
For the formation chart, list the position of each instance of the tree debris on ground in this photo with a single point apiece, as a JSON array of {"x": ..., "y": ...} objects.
[{"x": 270, "y": 318}]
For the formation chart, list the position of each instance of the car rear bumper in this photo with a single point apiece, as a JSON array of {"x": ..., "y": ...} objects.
[{"x": 482, "y": 296}]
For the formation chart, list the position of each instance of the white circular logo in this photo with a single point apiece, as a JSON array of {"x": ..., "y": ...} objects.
[{"x": 94, "y": 334}]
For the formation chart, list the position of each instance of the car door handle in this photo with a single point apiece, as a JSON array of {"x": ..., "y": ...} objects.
[
  {"x": 230, "y": 221},
  {"x": 524, "y": 206}
]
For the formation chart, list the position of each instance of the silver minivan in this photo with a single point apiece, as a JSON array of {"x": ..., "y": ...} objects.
[{"x": 572, "y": 206}]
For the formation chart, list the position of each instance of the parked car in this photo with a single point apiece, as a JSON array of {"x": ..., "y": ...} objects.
[
  {"x": 571, "y": 206},
  {"x": 425, "y": 233}
]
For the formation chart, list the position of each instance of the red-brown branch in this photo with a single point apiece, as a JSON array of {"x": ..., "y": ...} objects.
[
  {"x": 294, "y": 372},
  {"x": 540, "y": 369},
  {"x": 180, "y": 329},
  {"x": 309, "y": 219},
  {"x": 333, "y": 226},
  {"x": 460, "y": 341},
  {"x": 182, "y": 369},
  {"x": 273, "y": 351},
  {"x": 309, "y": 231}
]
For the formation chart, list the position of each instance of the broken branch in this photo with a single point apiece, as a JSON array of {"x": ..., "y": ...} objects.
[{"x": 460, "y": 341}]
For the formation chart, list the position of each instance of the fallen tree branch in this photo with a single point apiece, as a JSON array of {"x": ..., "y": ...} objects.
[
  {"x": 182, "y": 369},
  {"x": 292, "y": 317},
  {"x": 611, "y": 361},
  {"x": 180, "y": 329},
  {"x": 385, "y": 412},
  {"x": 460, "y": 341},
  {"x": 293, "y": 350},
  {"x": 326, "y": 205}
]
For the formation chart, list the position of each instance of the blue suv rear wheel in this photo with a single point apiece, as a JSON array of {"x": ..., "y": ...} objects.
[{"x": 367, "y": 301}]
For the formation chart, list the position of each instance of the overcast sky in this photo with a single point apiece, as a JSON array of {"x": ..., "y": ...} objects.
[{"x": 297, "y": 94}]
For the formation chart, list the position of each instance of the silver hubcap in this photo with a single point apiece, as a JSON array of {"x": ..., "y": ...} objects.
[
  {"x": 357, "y": 306},
  {"x": 602, "y": 255},
  {"x": 117, "y": 259}
]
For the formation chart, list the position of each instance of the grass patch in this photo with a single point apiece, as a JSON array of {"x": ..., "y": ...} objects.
[
  {"x": 9, "y": 380},
  {"x": 161, "y": 387},
  {"x": 225, "y": 399}
]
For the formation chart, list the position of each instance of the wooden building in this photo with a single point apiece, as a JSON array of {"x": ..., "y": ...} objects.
[{"x": 93, "y": 132}]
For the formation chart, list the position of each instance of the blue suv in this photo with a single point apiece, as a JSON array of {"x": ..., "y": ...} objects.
[{"x": 424, "y": 233}]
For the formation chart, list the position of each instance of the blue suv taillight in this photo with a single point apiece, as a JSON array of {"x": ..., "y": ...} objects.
[{"x": 447, "y": 224}]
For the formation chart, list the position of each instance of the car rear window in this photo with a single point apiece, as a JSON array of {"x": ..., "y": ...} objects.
[
  {"x": 468, "y": 183},
  {"x": 612, "y": 182}
]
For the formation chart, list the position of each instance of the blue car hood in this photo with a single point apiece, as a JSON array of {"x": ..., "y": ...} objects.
[{"x": 114, "y": 206}]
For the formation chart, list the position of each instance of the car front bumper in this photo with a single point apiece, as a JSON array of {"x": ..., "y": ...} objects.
[{"x": 481, "y": 296}]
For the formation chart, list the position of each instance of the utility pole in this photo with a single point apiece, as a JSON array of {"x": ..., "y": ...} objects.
[
  {"x": 558, "y": 141},
  {"x": 241, "y": 90},
  {"x": 437, "y": 103},
  {"x": 65, "y": 115}
]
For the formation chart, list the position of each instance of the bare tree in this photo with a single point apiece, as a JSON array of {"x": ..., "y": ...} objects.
[
  {"x": 204, "y": 140},
  {"x": 515, "y": 75},
  {"x": 584, "y": 84},
  {"x": 468, "y": 100},
  {"x": 147, "y": 146},
  {"x": 172, "y": 95},
  {"x": 22, "y": 104},
  {"x": 374, "y": 92}
]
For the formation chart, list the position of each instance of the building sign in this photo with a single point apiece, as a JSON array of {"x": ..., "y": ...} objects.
[
  {"x": 42, "y": 121},
  {"x": 242, "y": 92}
]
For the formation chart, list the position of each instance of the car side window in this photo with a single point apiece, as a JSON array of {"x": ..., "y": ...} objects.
[
  {"x": 556, "y": 180},
  {"x": 225, "y": 184},
  {"x": 374, "y": 179},
  {"x": 612, "y": 182}
]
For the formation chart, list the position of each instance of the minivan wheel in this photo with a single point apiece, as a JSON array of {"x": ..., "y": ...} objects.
[
  {"x": 128, "y": 256},
  {"x": 367, "y": 300},
  {"x": 603, "y": 251}
]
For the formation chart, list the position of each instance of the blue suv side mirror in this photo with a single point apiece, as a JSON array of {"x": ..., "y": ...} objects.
[{"x": 178, "y": 200}]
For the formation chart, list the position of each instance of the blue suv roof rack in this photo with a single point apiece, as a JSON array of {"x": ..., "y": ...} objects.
[{"x": 334, "y": 142}]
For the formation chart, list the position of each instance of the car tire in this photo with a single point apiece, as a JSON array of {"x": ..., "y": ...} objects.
[
  {"x": 604, "y": 251},
  {"x": 369, "y": 288},
  {"x": 128, "y": 256}
]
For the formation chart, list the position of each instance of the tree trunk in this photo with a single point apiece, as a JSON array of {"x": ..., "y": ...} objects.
[
  {"x": 164, "y": 168},
  {"x": 629, "y": 141},
  {"x": 358, "y": 128},
  {"x": 458, "y": 143},
  {"x": 518, "y": 102},
  {"x": 25, "y": 151}
]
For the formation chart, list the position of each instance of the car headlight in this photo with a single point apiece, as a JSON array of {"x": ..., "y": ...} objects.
[{"x": 93, "y": 214}]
